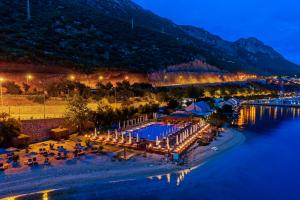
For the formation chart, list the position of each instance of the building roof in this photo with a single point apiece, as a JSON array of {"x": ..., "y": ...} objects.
[{"x": 199, "y": 108}]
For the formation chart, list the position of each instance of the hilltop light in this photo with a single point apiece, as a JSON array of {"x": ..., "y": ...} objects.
[{"x": 100, "y": 78}]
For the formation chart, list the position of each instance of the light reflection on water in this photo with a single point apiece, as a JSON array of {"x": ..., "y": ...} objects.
[
  {"x": 43, "y": 195},
  {"x": 255, "y": 115},
  {"x": 178, "y": 176},
  {"x": 171, "y": 178}
]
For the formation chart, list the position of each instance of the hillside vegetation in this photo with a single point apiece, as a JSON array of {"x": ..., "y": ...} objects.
[{"x": 106, "y": 34}]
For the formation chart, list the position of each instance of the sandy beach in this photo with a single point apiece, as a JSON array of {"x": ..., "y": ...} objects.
[{"x": 96, "y": 169}]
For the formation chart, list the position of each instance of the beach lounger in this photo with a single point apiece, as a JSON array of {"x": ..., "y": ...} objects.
[
  {"x": 80, "y": 152},
  {"x": 3, "y": 166},
  {"x": 46, "y": 162},
  {"x": 34, "y": 160},
  {"x": 58, "y": 157},
  {"x": 29, "y": 162}
]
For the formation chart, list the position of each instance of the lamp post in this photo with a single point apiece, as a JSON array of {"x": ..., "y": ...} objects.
[
  {"x": 44, "y": 98},
  {"x": 1, "y": 91},
  {"x": 29, "y": 77}
]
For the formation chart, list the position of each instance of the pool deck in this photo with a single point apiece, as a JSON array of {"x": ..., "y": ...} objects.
[{"x": 184, "y": 136}]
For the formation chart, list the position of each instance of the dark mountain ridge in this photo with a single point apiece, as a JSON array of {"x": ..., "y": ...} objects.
[{"x": 97, "y": 34}]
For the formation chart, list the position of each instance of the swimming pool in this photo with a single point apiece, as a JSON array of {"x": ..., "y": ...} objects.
[{"x": 151, "y": 131}]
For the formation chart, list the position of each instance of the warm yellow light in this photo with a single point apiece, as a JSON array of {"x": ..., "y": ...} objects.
[
  {"x": 100, "y": 78},
  {"x": 126, "y": 77},
  {"x": 180, "y": 77},
  {"x": 72, "y": 77},
  {"x": 29, "y": 76},
  {"x": 1, "y": 79},
  {"x": 165, "y": 77}
]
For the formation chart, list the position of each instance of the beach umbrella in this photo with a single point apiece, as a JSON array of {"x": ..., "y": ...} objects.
[
  {"x": 31, "y": 154},
  {"x": 11, "y": 149},
  {"x": 61, "y": 149}
]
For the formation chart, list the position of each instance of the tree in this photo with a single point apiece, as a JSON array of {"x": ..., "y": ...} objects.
[
  {"x": 78, "y": 112},
  {"x": 217, "y": 120},
  {"x": 26, "y": 87},
  {"x": 10, "y": 128},
  {"x": 173, "y": 104},
  {"x": 12, "y": 87}
]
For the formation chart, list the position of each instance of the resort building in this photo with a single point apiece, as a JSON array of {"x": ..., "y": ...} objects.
[
  {"x": 199, "y": 109},
  {"x": 232, "y": 102}
]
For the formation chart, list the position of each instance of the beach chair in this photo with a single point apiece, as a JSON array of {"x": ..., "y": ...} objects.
[
  {"x": 94, "y": 149},
  {"x": 58, "y": 157},
  {"x": 46, "y": 162},
  {"x": 34, "y": 160},
  {"x": 29, "y": 162},
  {"x": 64, "y": 155},
  {"x": 3, "y": 166},
  {"x": 9, "y": 156},
  {"x": 80, "y": 152}
]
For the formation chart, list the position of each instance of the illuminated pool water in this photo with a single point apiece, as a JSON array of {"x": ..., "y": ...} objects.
[{"x": 152, "y": 131}]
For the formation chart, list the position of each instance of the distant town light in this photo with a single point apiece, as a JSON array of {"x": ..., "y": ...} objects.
[
  {"x": 101, "y": 78},
  {"x": 126, "y": 77},
  {"x": 1, "y": 79}
]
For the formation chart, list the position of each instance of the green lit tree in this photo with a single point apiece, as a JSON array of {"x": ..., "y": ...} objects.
[
  {"x": 78, "y": 112},
  {"x": 10, "y": 128}
]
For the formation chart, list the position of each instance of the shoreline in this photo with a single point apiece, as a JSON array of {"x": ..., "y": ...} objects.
[{"x": 100, "y": 169}]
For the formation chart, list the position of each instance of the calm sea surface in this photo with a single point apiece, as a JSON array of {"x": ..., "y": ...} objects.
[{"x": 266, "y": 166}]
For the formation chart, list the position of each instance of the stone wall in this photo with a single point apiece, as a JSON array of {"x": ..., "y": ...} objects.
[{"x": 39, "y": 130}]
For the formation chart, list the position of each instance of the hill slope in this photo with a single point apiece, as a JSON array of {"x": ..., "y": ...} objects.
[{"x": 92, "y": 34}]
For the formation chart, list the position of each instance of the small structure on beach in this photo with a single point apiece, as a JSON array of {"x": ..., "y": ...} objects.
[{"x": 59, "y": 133}]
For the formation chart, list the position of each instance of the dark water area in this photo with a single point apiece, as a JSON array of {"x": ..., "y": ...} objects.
[{"x": 265, "y": 166}]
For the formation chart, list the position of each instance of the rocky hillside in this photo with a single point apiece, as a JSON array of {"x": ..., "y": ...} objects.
[{"x": 97, "y": 34}]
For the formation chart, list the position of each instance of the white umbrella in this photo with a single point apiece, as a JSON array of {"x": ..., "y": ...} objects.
[{"x": 11, "y": 149}]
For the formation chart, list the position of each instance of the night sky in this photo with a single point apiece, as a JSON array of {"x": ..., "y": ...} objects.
[{"x": 275, "y": 22}]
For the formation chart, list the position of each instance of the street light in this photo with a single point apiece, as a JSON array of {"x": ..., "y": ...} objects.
[
  {"x": 72, "y": 77},
  {"x": 1, "y": 91},
  {"x": 29, "y": 77}
]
